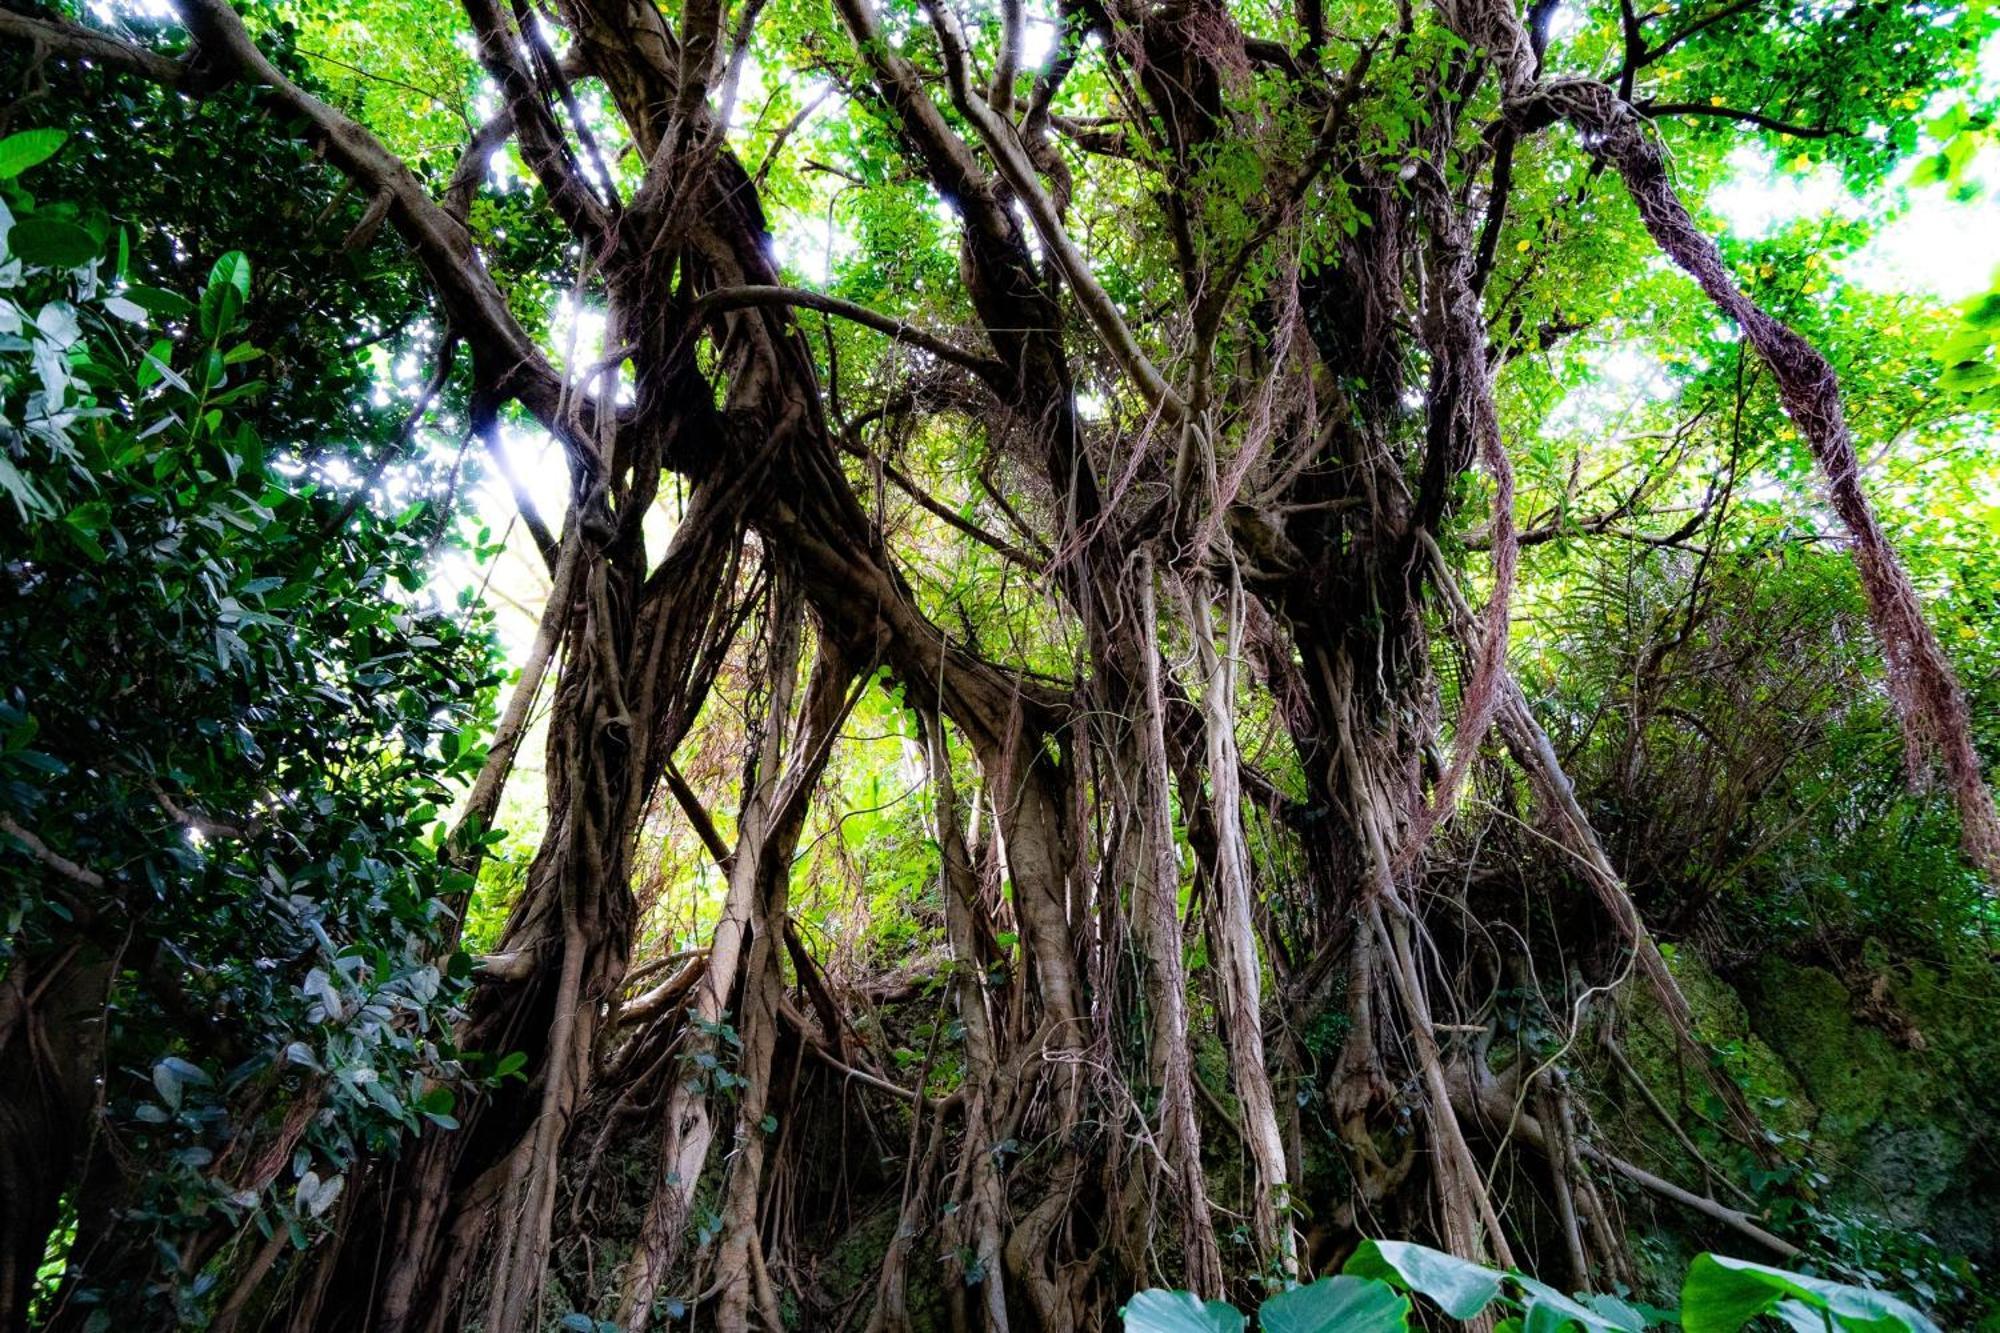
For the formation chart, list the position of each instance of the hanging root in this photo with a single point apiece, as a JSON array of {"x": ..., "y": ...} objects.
[
  {"x": 1929, "y": 700},
  {"x": 1234, "y": 936},
  {"x": 1158, "y": 932}
]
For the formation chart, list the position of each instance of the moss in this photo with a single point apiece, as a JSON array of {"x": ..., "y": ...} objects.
[
  {"x": 1724, "y": 1024},
  {"x": 1900, "y": 1120},
  {"x": 854, "y": 1263},
  {"x": 1886, "y": 1081},
  {"x": 1848, "y": 1070}
]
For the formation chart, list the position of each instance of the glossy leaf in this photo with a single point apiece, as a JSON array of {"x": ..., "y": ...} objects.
[
  {"x": 1459, "y": 1287},
  {"x": 1721, "y": 1295},
  {"x": 28, "y": 148},
  {"x": 1161, "y": 1311},
  {"x": 50, "y": 242},
  {"x": 1548, "y": 1310},
  {"x": 1336, "y": 1305}
]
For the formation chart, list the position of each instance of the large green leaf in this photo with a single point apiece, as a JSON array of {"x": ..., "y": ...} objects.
[
  {"x": 29, "y": 148},
  {"x": 1336, "y": 1305},
  {"x": 1460, "y": 1287},
  {"x": 1162, "y": 1311},
  {"x": 233, "y": 269},
  {"x": 1721, "y": 1295},
  {"x": 158, "y": 301},
  {"x": 1549, "y": 1311},
  {"x": 51, "y": 242},
  {"x": 226, "y": 294}
]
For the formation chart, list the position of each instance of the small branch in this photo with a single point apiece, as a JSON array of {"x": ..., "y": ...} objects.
[
  {"x": 504, "y": 967},
  {"x": 1011, "y": 158},
  {"x": 188, "y": 819},
  {"x": 397, "y": 448},
  {"x": 784, "y": 133},
  {"x": 1700, "y": 1203},
  {"x": 644, "y": 1008},
  {"x": 698, "y": 816},
  {"x": 1698, "y": 26},
  {"x": 71, "y": 41},
  {"x": 474, "y": 162},
  {"x": 49, "y": 857},
  {"x": 1737, "y": 114},
  {"x": 1006, "y": 549},
  {"x": 486, "y": 425},
  {"x": 740, "y": 298},
  {"x": 1666, "y": 1118}
]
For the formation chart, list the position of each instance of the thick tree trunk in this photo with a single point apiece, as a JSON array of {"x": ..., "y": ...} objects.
[
  {"x": 481, "y": 1200},
  {"x": 52, "y": 1025}
]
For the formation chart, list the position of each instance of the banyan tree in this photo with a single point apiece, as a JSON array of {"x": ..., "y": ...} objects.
[{"x": 1127, "y": 420}]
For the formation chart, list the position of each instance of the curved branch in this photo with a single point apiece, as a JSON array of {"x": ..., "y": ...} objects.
[
  {"x": 1741, "y": 117},
  {"x": 1701, "y": 25},
  {"x": 508, "y": 360},
  {"x": 742, "y": 298},
  {"x": 49, "y": 857},
  {"x": 73, "y": 41}
]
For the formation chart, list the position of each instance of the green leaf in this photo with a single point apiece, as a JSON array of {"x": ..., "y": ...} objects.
[
  {"x": 48, "y": 242},
  {"x": 172, "y": 1074},
  {"x": 233, "y": 270},
  {"x": 1613, "y": 1309},
  {"x": 1162, "y": 1311},
  {"x": 1721, "y": 1295},
  {"x": 227, "y": 292},
  {"x": 1549, "y": 1311},
  {"x": 1460, "y": 1287},
  {"x": 29, "y": 148},
  {"x": 188, "y": 1073},
  {"x": 27, "y": 500},
  {"x": 1336, "y": 1305},
  {"x": 82, "y": 525},
  {"x": 158, "y": 301}
]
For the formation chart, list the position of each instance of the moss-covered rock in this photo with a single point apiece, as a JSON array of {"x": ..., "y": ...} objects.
[
  {"x": 1882, "y": 1076},
  {"x": 1848, "y": 1070},
  {"x": 1902, "y": 1063},
  {"x": 1724, "y": 1023}
]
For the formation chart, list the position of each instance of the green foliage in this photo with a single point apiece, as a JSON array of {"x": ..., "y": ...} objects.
[
  {"x": 1722, "y": 1295},
  {"x": 1719, "y": 1296},
  {"x": 1971, "y": 355},
  {"x": 1335, "y": 1302},
  {"x": 220, "y": 772}
]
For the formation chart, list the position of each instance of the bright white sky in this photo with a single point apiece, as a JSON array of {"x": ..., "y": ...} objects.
[{"x": 1936, "y": 246}]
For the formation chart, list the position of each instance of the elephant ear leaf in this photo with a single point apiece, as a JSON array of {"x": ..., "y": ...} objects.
[
  {"x": 1460, "y": 1287},
  {"x": 29, "y": 148},
  {"x": 1721, "y": 1295},
  {"x": 1549, "y": 1311},
  {"x": 1163, "y": 1311},
  {"x": 1336, "y": 1305}
]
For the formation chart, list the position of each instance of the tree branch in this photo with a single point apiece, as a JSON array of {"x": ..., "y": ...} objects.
[
  {"x": 49, "y": 857},
  {"x": 507, "y": 358},
  {"x": 73, "y": 41},
  {"x": 1742, "y": 117},
  {"x": 741, "y": 298}
]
